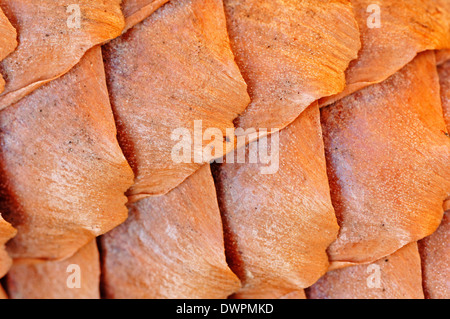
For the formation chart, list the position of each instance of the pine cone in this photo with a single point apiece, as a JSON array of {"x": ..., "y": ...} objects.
[{"x": 214, "y": 149}]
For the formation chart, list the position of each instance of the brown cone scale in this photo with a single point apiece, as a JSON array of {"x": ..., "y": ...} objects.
[
  {"x": 406, "y": 28},
  {"x": 8, "y": 41},
  {"x": 279, "y": 224},
  {"x": 387, "y": 155},
  {"x": 435, "y": 253},
  {"x": 171, "y": 246},
  {"x": 6, "y": 233},
  {"x": 63, "y": 173},
  {"x": 51, "y": 41},
  {"x": 397, "y": 276},
  {"x": 137, "y": 10},
  {"x": 291, "y": 53},
  {"x": 77, "y": 277},
  {"x": 173, "y": 69}
]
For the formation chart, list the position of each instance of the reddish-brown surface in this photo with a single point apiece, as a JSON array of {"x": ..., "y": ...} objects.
[
  {"x": 184, "y": 47},
  {"x": 63, "y": 173},
  {"x": 383, "y": 155},
  {"x": 444, "y": 80},
  {"x": 300, "y": 294},
  {"x": 279, "y": 225},
  {"x": 288, "y": 65},
  {"x": 407, "y": 28},
  {"x": 387, "y": 155},
  {"x": 6, "y": 233},
  {"x": 442, "y": 56},
  {"x": 8, "y": 41},
  {"x": 137, "y": 10},
  {"x": 435, "y": 253},
  {"x": 3, "y": 293},
  {"x": 171, "y": 246},
  {"x": 58, "y": 279},
  {"x": 399, "y": 278},
  {"x": 48, "y": 47}
]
